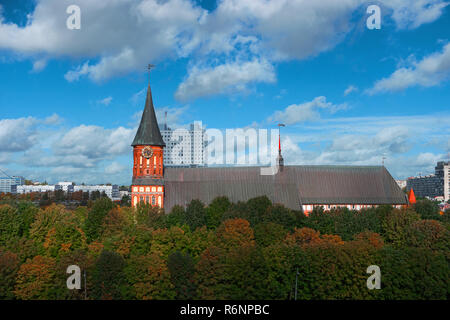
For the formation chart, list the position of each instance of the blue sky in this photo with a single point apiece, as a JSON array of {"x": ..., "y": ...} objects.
[{"x": 70, "y": 99}]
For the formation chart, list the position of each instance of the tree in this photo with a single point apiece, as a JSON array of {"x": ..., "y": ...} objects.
[
  {"x": 150, "y": 216},
  {"x": 9, "y": 265},
  {"x": 176, "y": 217},
  {"x": 215, "y": 211},
  {"x": 149, "y": 277},
  {"x": 195, "y": 214},
  {"x": 234, "y": 233},
  {"x": 427, "y": 209},
  {"x": 268, "y": 233},
  {"x": 429, "y": 234},
  {"x": 95, "y": 218},
  {"x": 125, "y": 201},
  {"x": 9, "y": 224},
  {"x": 35, "y": 279},
  {"x": 108, "y": 278},
  {"x": 283, "y": 216},
  {"x": 182, "y": 268},
  {"x": 396, "y": 224}
]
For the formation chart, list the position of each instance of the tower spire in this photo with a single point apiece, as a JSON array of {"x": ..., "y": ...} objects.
[{"x": 148, "y": 132}]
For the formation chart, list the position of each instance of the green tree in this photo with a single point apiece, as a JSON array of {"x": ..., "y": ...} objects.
[
  {"x": 95, "y": 218},
  {"x": 427, "y": 209},
  {"x": 176, "y": 217},
  {"x": 182, "y": 268},
  {"x": 269, "y": 233},
  {"x": 109, "y": 282},
  {"x": 195, "y": 214},
  {"x": 395, "y": 225},
  {"x": 215, "y": 211}
]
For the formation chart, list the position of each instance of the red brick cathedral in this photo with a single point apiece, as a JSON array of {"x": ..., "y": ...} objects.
[
  {"x": 148, "y": 170},
  {"x": 296, "y": 187}
]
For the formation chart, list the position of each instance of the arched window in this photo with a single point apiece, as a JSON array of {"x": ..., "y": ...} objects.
[
  {"x": 153, "y": 200},
  {"x": 135, "y": 200}
]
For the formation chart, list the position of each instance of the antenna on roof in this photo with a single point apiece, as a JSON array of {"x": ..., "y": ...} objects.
[
  {"x": 165, "y": 120},
  {"x": 382, "y": 160}
]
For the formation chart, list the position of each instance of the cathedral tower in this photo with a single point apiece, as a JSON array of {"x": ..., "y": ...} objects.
[{"x": 148, "y": 169}]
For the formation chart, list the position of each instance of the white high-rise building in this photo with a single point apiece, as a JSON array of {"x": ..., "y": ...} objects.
[
  {"x": 185, "y": 147},
  {"x": 9, "y": 184}
]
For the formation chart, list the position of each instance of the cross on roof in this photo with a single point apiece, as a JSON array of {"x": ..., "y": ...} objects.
[{"x": 149, "y": 68}]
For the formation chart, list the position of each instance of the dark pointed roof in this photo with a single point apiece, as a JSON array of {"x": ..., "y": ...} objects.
[{"x": 148, "y": 132}]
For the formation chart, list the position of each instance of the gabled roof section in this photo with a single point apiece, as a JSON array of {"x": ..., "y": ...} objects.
[
  {"x": 293, "y": 187},
  {"x": 148, "y": 132}
]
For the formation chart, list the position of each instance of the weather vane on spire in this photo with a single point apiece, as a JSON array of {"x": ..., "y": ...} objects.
[{"x": 149, "y": 68}]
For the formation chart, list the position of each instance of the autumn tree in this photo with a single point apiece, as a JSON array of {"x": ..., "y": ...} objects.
[
  {"x": 149, "y": 278},
  {"x": 234, "y": 233},
  {"x": 9, "y": 265},
  {"x": 35, "y": 279}
]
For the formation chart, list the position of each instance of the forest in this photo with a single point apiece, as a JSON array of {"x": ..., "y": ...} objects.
[{"x": 245, "y": 250}]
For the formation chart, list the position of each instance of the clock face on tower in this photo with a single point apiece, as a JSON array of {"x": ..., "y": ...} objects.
[{"x": 147, "y": 152}]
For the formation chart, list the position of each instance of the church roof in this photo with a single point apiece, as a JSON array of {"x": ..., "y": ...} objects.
[
  {"x": 148, "y": 132},
  {"x": 292, "y": 187}
]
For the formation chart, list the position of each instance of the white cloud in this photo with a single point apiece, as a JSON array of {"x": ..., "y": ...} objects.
[
  {"x": 106, "y": 101},
  {"x": 124, "y": 35},
  {"x": 39, "y": 65},
  {"x": 117, "y": 37},
  {"x": 114, "y": 168},
  {"x": 430, "y": 71},
  {"x": 308, "y": 111},
  {"x": 95, "y": 142},
  {"x": 17, "y": 134},
  {"x": 350, "y": 89},
  {"x": 413, "y": 14},
  {"x": 234, "y": 76}
]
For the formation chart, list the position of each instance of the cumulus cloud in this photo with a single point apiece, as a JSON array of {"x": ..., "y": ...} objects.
[
  {"x": 428, "y": 72},
  {"x": 234, "y": 76},
  {"x": 95, "y": 142},
  {"x": 118, "y": 37},
  {"x": 122, "y": 35},
  {"x": 308, "y": 111},
  {"x": 17, "y": 134}
]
